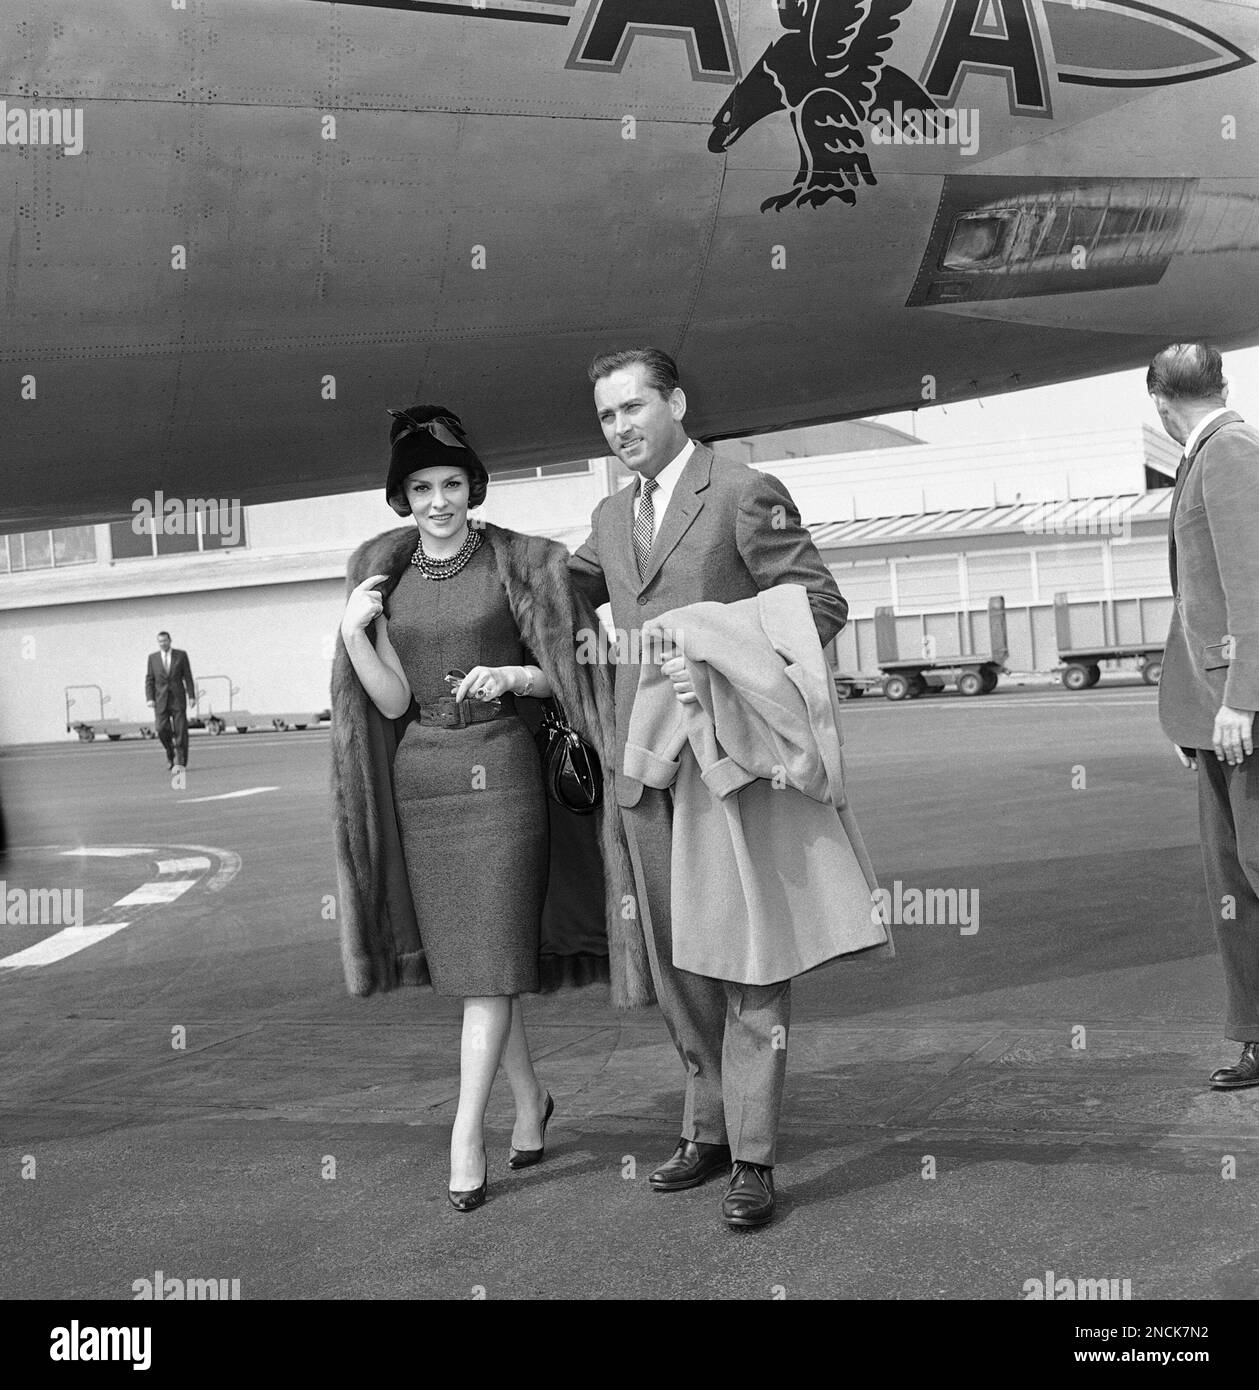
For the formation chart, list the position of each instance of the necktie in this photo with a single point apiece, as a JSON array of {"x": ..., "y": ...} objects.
[
  {"x": 166, "y": 662},
  {"x": 645, "y": 524}
]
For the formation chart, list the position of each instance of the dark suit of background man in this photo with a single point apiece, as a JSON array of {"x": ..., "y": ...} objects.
[
  {"x": 1209, "y": 689},
  {"x": 167, "y": 688},
  {"x": 710, "y": 530}
]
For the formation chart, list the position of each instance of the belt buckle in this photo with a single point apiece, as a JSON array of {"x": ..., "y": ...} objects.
[{"x": 441, "y": 713}]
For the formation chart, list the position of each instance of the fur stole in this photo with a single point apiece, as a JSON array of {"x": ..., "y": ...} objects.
[{"x": 381, "y": 947}]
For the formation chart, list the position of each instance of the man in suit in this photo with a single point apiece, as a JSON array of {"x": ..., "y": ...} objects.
[
  {"x": 167, "y": 689},
  {"x": 695, "y": 528},
  {"x": 1209, "y": 689}
]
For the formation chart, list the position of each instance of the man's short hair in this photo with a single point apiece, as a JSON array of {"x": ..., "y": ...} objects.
[
  {"x": 1186, "y": 372},
  {"x": 662, "y": 370},
  {"x": 163, "y": 634}
]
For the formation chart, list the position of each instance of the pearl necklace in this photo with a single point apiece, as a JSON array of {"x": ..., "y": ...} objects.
[{"x": 448, "y": 568}]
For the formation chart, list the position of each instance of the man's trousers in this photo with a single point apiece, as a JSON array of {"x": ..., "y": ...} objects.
[{"x": 732, "y": 1038}]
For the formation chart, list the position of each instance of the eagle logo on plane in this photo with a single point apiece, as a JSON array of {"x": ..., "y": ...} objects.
[{"x": 828, "y": 73}]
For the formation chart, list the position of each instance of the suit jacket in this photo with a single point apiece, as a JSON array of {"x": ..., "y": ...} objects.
[
  {"x": 729, "y": 532},
  {"x": 1212, "y": 655},
  {"x": 770, "y": 882},
  {"x": 169, "y": 690}
]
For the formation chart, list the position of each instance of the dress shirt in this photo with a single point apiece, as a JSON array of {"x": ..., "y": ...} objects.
[
  {"x": 1196, "y": 433},
  {"x": 666, "y": 481}
]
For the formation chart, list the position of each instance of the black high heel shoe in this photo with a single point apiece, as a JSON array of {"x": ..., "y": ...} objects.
[
  {"x": 526, "y": 1158},
  {"x": 473, "y": 1197}
]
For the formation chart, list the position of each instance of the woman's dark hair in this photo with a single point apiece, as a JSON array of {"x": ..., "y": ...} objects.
[
  {"x": 412, "y": 447},
  {"x": 1187, "y": 372},
  {"x": 662, "y": 370}
]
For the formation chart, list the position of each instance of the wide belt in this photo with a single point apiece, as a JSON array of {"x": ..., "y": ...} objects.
[{"x": 448, "y": 713}]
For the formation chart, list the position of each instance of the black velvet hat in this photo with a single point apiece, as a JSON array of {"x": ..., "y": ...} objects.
[{"x": 430, "y": 436}]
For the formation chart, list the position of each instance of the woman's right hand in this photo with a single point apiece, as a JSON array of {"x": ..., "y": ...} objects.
[{"x": 364, "y": 605}]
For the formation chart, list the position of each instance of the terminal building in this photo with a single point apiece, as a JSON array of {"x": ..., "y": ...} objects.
[{"x": 254, "y": 594}]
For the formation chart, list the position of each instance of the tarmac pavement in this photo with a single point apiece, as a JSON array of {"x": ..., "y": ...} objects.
[{"x": 196, "y": 1094}]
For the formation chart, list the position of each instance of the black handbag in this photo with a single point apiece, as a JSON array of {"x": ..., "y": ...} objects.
[{"x": 571, "y": 771}]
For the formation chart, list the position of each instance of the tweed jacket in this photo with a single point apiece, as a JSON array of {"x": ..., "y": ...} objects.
[
  {"x": 586, "y": 933},
  {"x": 768, "y": 881},
  {"x": 729, "y": 532},
  {"x": 1212, "y": 654}
]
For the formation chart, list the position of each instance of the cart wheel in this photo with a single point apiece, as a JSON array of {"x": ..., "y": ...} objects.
[
  {"x": 917, "y": 686},
  {"x": 1152, "y": 671},
  {"x": 990, "y": 676},
  {"x": 214, "y": 726},
  {"x": 1095, "y": 674},
  {"x": 86, "y": 735},
  {"x": 843, "y": 690},
  {"x": 147, "y": 731},
  {"x": 970, "y": 683},
  {"x": 279, "y": 726},
  {"x": 896, "y": 688},
  {"x": 1076, "y": 677}
]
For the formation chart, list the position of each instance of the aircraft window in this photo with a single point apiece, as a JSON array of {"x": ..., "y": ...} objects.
[{"x": 975, "y": 239}]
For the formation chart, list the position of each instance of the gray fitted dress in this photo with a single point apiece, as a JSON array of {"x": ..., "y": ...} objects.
[{"x": 471, "y": 809}]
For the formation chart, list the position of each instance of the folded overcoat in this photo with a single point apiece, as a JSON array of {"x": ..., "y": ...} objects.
[
  {"x": 590, "y": 930},
  {"x": 768, "y": 880}
]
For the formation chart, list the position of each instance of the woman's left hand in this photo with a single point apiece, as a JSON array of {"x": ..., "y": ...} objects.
[{"x": 484, "y": 683}]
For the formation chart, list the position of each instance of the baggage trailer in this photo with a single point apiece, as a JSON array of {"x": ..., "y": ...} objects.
[
  {"x": 112, "y": 729},
  {"x": 974, "y": 673},
  {"x": 854, "y": 687},
  {"x": 1081, "y": 658},
  {"x": 243, "y": 721}
]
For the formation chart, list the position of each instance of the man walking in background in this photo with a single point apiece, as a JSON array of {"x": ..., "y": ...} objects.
[
  {"x": 168, "y": 687},
  {"x": 1209, "y": 689}
]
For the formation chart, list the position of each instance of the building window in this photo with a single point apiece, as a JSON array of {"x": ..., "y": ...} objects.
[
  {"x": 196, "y": 529},
  {"x": 992, "y": 572},
  {"x": 547, "y": 470},
  {"x": 42, "y": 550}
]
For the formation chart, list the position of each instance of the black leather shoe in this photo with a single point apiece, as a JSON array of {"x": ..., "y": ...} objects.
[
  {"x": 526, "y": 1158},
  {"x": 1244, "y": 1072},
  {"x": 749, "y": 1200},
  {"x": 471, "y": 1198},
  {"x": 692, "y": 1163}
]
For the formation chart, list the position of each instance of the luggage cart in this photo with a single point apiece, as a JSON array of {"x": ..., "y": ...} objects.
[
  {"x": 854, "y": 687},
  {"x": 974, "y": 673},
  {"x": 1081, "y": 669}
]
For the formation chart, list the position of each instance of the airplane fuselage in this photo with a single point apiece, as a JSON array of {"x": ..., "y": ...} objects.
[{"x": 284, "y": 215}]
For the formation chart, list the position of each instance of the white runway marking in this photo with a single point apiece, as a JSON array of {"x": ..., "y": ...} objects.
[
  {"x": 226, "y": 796},
  {"x": 163, "y": 891},
  {"x": 195, "y": 864},
  {"x": 64, "y": 943},
  {"x": 108, "y": 851}
]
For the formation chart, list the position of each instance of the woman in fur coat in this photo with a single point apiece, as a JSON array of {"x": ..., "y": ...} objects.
[{"x": 455, "y": 870}]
